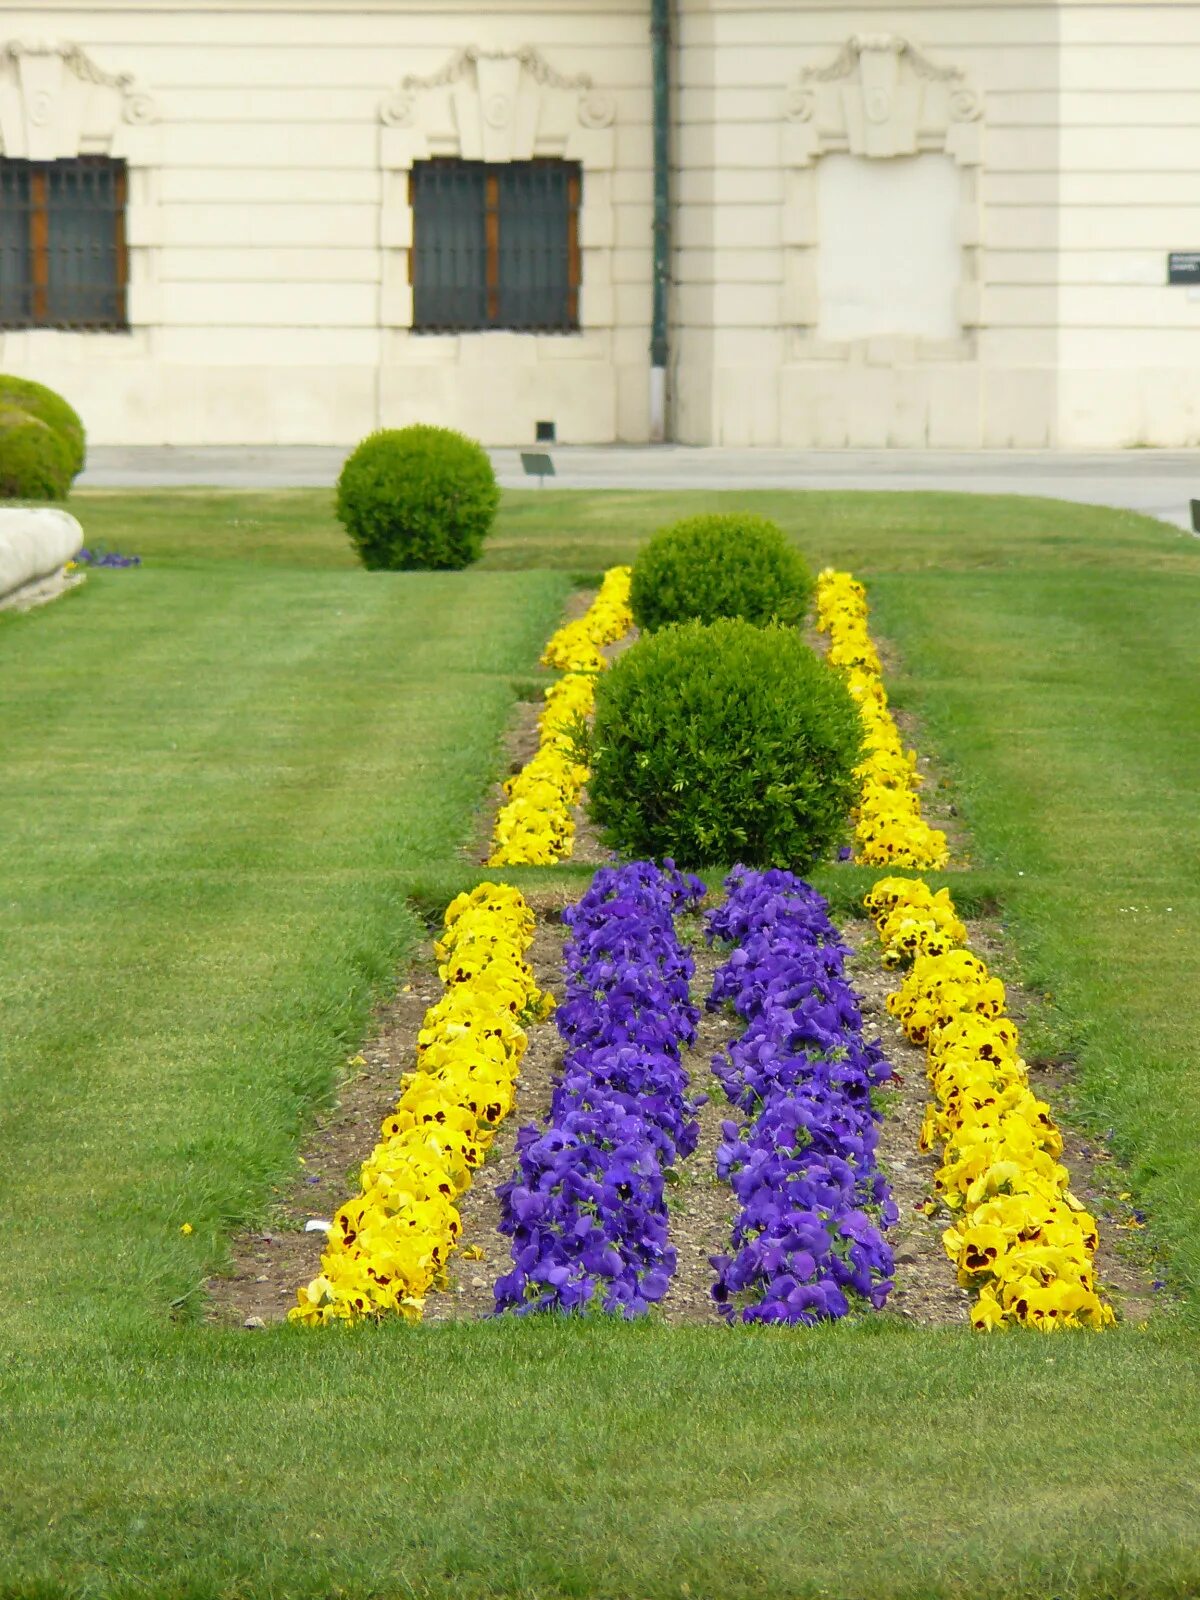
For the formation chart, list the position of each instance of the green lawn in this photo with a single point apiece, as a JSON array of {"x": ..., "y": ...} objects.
[
  {"x": 213, "y": 786},
  {"x": 224, "y": 777}
]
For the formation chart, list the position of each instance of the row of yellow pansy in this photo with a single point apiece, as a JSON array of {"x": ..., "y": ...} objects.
[
  {"x": 535, "y": 828},
  {"x": 1022, "y": 1241},
  {"x": 889, "y": 830},
  {"x": 390, "y": 1244}
]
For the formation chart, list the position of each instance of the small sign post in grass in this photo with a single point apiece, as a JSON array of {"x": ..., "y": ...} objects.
[{"x": 539, "y": 465}]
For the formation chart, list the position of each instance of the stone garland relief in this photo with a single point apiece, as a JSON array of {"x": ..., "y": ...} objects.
[
  {"x": 475, "y": 72},
  {"x": 56, "y": 102},
  {"x": 882, "y": 96}
]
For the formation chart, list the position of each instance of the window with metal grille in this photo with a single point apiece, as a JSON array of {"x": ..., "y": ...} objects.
[
  {"x": 63, "y": 261},
  {"x": 495, "y": 245}
]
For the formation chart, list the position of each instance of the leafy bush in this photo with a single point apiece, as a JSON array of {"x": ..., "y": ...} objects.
[
  {"x": 417, "y": 497},
  {"x": 720, "y": 566},
  {"x": 723, "y": 742},
  {"x": 35, "y": 461},
  {"x": 22, "y": 394}
]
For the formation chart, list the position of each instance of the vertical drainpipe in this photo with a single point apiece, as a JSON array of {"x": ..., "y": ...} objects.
[{"x": 660, "y": 40}]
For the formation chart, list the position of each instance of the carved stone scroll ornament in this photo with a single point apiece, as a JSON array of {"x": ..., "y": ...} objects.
[
  {"x": 882, "y": 96},
  {"x": 55, "y": 101},
  {"x": 527, "y": 57},
  {"x": 845, "y": 63},
  {"x": 500, "y": 101}
]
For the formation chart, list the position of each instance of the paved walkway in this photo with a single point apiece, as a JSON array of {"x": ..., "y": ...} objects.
[{"x": 1158, "y": 482}]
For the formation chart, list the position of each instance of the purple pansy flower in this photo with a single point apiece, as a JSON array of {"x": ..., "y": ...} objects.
[
  {"x": 807, "y": 1240},
  {"x": 586, "y": 1209},
  {"x": 104, "y": 558}
]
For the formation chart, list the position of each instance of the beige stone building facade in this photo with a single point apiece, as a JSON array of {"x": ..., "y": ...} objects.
[{"x": 945, "y": 224}]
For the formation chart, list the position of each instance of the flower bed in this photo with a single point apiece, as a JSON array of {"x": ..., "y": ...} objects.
[
  {"x": 889, "y": 829},
  {"x": 535, "y": 827},
  {"x": 1021, "y": 1240},
  {"x": 389, "y": 1245},
  {"x": 807, "y": 1240},
  {"x": 912, "y": 920},
  {"x": 586, "y": 1210}
]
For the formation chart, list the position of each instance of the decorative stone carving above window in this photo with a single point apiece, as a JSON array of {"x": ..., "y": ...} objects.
[
  {"x": 499, "y": 105},
  {"x": 502, "y": 105},
  {"x": 880, "y": 98},
  {"x": 56, "y": 102}
]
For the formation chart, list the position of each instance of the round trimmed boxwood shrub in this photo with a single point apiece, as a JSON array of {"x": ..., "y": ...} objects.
[
  {"x": 418, "y": 497},
  {"x": 720, "y": 566},
  {"x": 35, "y": 461},
  {"x": 22, "y": 394},
  {"x": 723, "y": 742}
]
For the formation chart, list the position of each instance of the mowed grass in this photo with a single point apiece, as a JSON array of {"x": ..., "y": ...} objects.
[
  {"x": 607, "y": 1463},
  {"x": 212, "y": 787},
  {"x": 188, "y": 942},
  {"x": 585, "y": 532},
  {"x": 1070, "y": 708}
]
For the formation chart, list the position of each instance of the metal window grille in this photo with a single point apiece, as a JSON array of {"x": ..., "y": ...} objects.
[
  {"x": 495, "y": 245},
  {"x": 63, "y": 259}
]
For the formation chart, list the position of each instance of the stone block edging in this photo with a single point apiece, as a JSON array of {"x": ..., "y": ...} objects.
[{"x": 35, "y": 545}]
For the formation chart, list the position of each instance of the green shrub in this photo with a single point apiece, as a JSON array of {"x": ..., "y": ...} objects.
[
  {"x": 720, "y": 743},
  {"x": 22, "y": 394},
  {"x": 720, "y": 566},
  {"x": 417, "y": 497},
  {"x": 35, "y": 461}
]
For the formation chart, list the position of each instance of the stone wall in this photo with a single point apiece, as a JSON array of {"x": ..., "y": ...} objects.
[
  {"x": 1075, "y": 129},
  {"x": 1017, "y": 171},
  {"x": 771, "y": 94},
  {"x": 269, "y": 219},
  {"x": 1128, "y": 345}
]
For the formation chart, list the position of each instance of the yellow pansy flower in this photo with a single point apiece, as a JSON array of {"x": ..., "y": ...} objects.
[
  {"x": 1020, "y": 1238},
  {"x": 388, "y": 1245},
  {"x": 888, "y": 827},
  {"x": 535, "y": 827}
]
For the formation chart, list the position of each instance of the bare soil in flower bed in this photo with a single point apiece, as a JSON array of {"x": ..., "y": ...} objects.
[
  {"x": 270, "y": 1264},
  {"x": 587, "y": 850},
  {"x": 1098, "y": 1182},
  {"x": 521, "y": 745},
  {"x": 701, "y": 1207},
  {"x": 520, "y": 742},
  {"x": 926, "y": 1289},
  {"x": 483, "y": 1252},
  {"x": 937, "y": 802},
  {"x": 936, "y": 794}
]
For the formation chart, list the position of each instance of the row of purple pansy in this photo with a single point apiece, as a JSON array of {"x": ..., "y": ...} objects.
[
  {"x": 586, "y": 1211},
  {"x": 812, "y": 1203}
]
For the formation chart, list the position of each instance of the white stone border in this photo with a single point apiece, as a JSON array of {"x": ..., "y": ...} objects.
[
  {"x": 41, "y": 591},
  {"x": 35, "y": 545},
  {"x": 881, "y": 96},
  {"x": 499, "y": 105}
]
